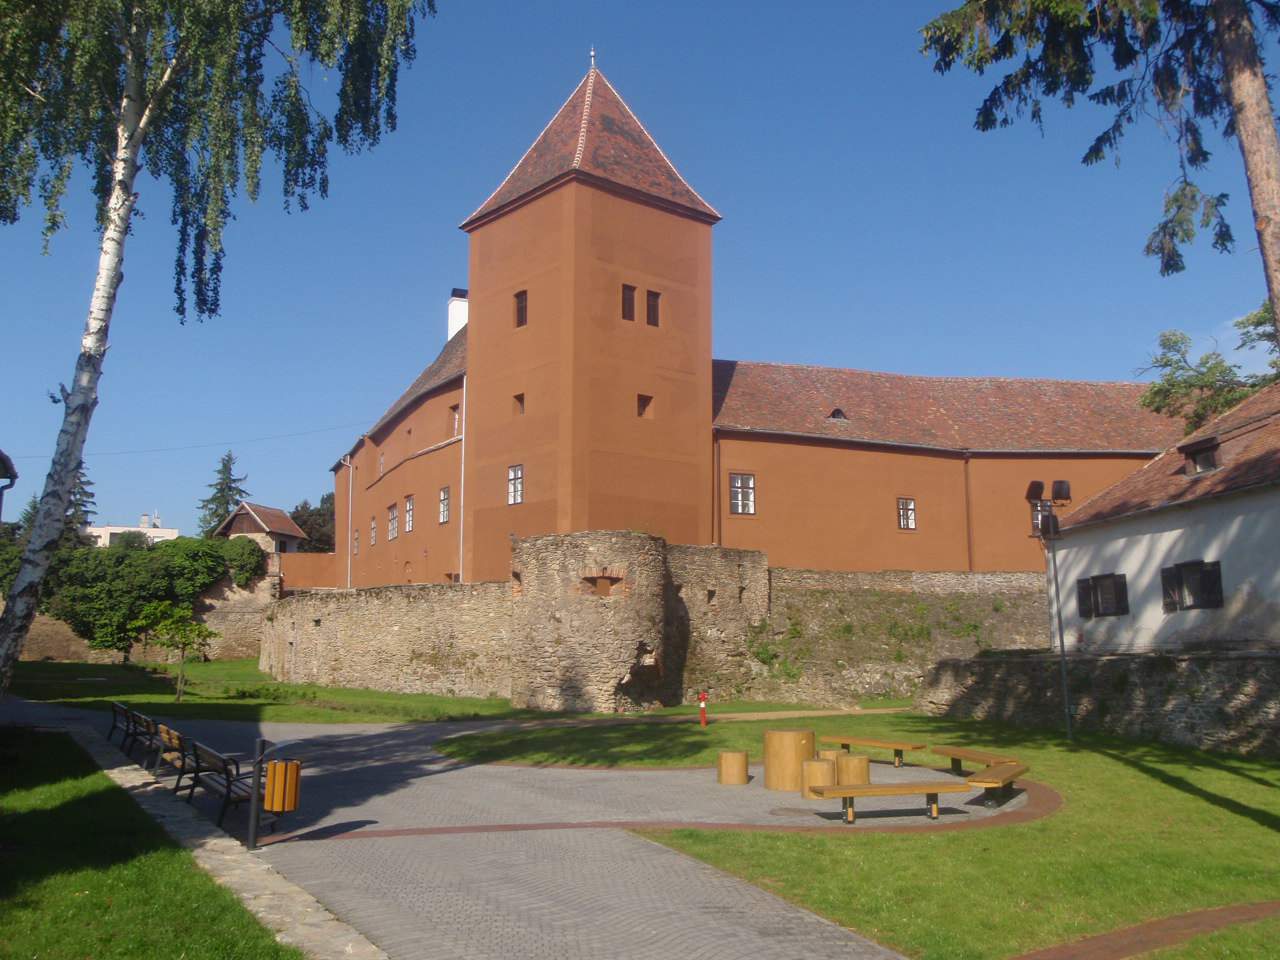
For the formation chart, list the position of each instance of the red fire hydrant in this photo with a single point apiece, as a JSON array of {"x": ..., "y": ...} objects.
[{"x": 702, "y": 707}]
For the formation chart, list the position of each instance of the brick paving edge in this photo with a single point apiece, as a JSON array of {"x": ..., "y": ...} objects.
[{"x": 295, "y": 916}]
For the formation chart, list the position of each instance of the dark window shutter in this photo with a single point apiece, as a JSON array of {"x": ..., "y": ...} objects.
[
  {"x": 1084, "y": 598},
  {"x": 1171, "y": 587},
  {"x": 1211, "y": 584},
  {"x": 1122, "y": 595}
]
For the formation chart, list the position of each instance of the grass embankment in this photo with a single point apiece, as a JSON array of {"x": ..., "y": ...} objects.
[
  {"x": 1250, "y": 941},
  {"x": 1146, "y": 831},
  {"x": 238, "y": 690},
  {"x": 88, "y": 874}
]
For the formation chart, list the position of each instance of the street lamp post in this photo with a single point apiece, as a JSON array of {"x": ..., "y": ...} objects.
[{"x": 1044, "y": 526}]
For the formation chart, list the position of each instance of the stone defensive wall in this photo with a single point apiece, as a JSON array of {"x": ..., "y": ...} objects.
[
  {"x": 611, "y": 620},
  {"x": 1215, "y": 700}
]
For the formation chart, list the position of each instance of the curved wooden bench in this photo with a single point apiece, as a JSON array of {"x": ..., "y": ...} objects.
[
  {"x": 997, "y": 779},
  {"x": 930, "y": 790},
  {"x": 958, "y": 754},
  {"x": 897, "y": 746}
]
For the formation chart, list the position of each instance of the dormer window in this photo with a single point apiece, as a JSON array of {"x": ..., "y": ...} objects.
[
  {"x": 837, "y": 414},
  {"x": 1202, "y": 456}
]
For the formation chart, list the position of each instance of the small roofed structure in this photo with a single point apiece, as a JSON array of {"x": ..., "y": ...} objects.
[
  {"x": 1183, "y": 552},
  {"x": 272, "y": 528}
]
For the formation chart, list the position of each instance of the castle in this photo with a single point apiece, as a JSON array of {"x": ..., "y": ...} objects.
[{"x": 577, "y": 392}]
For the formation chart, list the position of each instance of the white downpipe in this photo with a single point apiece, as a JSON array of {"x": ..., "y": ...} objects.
[
  {"x": 351, "y": 512},
  {"x": 462, "y": 484}
]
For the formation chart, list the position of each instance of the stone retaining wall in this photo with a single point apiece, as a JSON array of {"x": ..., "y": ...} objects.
[
  {"x": 1221, "y": 701},
  {"x": 450, "y": 639}
]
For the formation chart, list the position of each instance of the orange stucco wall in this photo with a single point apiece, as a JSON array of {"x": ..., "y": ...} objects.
[
  {"x": 589, "y": 461},
  {"x": 419, "y": 455},
  {"x": 301, "y": 571},
  {"x": 834, "y": 507}
]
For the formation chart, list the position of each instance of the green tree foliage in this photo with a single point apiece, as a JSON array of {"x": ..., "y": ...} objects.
[
  {"x": 103, "y": 593},
  {"x": 1188, "y": 64},
  {"x": 1198, "y": 390},
  {"x": 226, "y": 492},
  {"x": 173, "y": 626},
  {"x": 317, "y": 523}
]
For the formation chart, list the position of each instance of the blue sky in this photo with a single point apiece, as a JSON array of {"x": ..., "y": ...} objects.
[{"x": 866, "y": 224}]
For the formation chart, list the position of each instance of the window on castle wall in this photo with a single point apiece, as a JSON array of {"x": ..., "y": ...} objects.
[
  {"x": 373, "y": 530},
  {"x": 653, "y": 300},
  {"x": 1194, "y": 585},
  {"x": 355, "y": 541},
  {"x": 742, "y": 493},
  {"x": 444, "y": 504},
  {"x": 906, "y": 513},
  {"x": 455, "y": 420},
  {"x": 644, "y": 406},
  {"x": 393, "y": 522},
  {"x": 517, "y": 405},
  {"x": 1103, "y": 596},
  {"x": 515, "y": 484},
  {"x": 381, "y": 463},
  {"x": 408, "y": 514},
  {"x": 628, "y": 302},
  {"x": 522, "y": 308}
]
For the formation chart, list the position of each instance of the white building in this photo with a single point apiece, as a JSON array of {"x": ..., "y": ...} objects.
[
  {"x": 149, "y": 526},
  {"x": 1184, "y": 552}
]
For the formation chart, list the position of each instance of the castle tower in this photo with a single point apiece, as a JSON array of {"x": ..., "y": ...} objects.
[{"x": 588, "y": 394}]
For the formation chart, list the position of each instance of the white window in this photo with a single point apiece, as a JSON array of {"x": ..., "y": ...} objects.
[
  {"x": 742, "y": 493},
  {"x": 355, "y": 541},
  {"x": 373, "y": 530},
  {"x": 393, "y": 521},
  {"x": 906, "y": 513},
  {"x": 408, "y": 514},
  {"x": 444, "y": 504},
  {"x": 515, "y": 484}
]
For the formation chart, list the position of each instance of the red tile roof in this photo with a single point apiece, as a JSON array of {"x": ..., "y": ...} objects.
[
  {"x": 954, "y": 413},
  {"x": 1248, "y": 456},
  {"x": 270, "y": 519},
  {"x": 595, "y": 137}
]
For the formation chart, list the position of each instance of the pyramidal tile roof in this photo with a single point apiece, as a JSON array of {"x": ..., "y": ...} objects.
[{"x": 595, "y": 137}]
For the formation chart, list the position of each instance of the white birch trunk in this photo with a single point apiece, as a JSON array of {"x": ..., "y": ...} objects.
[
  {"x": 1256, "y": 131},
  {"x": 79, "y": 402}
]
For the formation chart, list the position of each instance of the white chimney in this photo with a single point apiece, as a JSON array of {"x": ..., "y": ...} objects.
[
  {"x": 457, "y": 310},
  {"x": 145, "y": 521}
]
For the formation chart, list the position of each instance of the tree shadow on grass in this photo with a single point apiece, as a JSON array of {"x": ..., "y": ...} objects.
[{"x": 66, "y": 825}]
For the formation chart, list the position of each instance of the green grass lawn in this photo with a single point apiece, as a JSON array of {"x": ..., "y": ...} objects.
[
  {"x": 84, "y": 873},
  {"x": 1146, "y": 831},
  {"x": 237, "y": 690},
  {"x": 1248, "y": 941}
]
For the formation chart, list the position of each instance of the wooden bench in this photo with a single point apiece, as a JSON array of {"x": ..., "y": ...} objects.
[
  {"x": 931, "y": 789},
  {"x": 958, "y": 754},
  {"x": 175, "y": 750},
  {"x": 997, "y": 779},
  {"x": 139, "y": 730},
  {"x": 219, "y": 774},
  {"x": 897, "y": 746},
  {"x": 119, "y": 720}
]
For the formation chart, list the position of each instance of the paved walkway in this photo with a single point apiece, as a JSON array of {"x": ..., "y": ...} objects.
[{"x": 432, "y": 858}]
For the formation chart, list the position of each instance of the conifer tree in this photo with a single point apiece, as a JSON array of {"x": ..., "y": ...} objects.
[
  {"x": 195, "y": 93},
  {"x": 227, "y": 493}
]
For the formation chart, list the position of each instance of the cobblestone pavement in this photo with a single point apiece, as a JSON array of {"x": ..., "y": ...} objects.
[{"x": 470, "y": 875}]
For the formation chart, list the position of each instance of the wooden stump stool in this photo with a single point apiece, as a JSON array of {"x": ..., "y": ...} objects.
[
  {"x": 832, "y": 755},
  {"x": 852, "y": 771},
  {"x": 784, "y": 752},
  {"x": 816, "y": 773},
  {"x": 732, "y": 769}
]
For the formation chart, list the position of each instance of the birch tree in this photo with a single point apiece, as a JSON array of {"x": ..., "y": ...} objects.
[
  {"x": 1186, "y": 64},
  {"x": 193, "y": 94}
]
